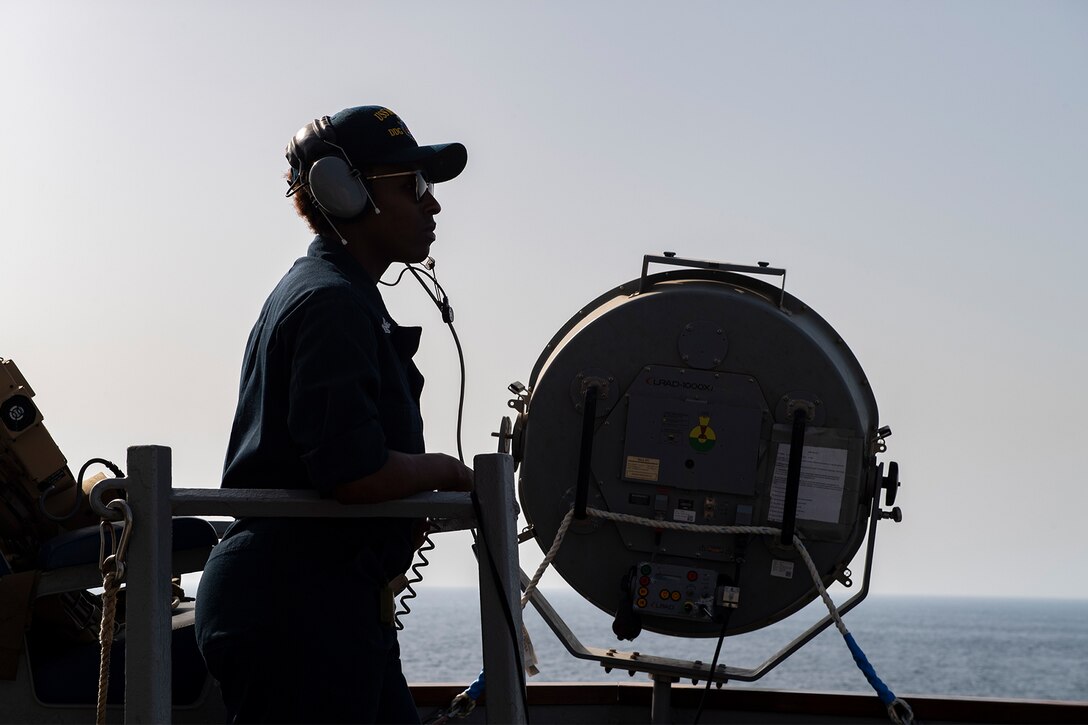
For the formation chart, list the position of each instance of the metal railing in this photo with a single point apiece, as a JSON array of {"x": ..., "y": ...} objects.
[{"x": 153, "y": 501}]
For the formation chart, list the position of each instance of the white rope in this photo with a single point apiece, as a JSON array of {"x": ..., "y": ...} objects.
[
  {"x": 680, "y": 526},
  {"x": 548, "y": 558}
]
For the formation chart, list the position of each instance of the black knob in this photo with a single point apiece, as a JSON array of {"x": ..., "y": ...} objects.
[
  {"x": 895, "y": 515},
  {"x": 891, "y": 483}
]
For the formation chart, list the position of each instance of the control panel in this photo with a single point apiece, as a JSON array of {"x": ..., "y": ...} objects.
[{"x": 683, "y": 592}]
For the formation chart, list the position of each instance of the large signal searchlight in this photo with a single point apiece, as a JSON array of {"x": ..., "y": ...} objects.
[{"x": 667, "y": 428}]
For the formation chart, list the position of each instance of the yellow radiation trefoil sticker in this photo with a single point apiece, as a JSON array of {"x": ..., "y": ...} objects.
[{"x": 702, "y": 437}]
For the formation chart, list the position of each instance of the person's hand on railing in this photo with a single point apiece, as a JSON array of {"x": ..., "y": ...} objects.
[
  {"x": 405, "y": 474},
  {"x": 459, "y": 476}
]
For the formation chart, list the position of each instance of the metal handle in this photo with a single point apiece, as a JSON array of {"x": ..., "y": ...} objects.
[
  {"x": 585, "y": 454},
  {"x": 671, "y": 259},
  {"x": 793, "y": 476}
]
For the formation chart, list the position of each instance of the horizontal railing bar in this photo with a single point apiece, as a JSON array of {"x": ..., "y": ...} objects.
[{"x": 299, "y": 503}]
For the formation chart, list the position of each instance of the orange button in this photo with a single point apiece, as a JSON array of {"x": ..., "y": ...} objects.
[
  {"x": 676, "y": 596},
  {"x": 642, "y": 591},
  {"x": 641, "y": 602},
  {"x": 664, "y": 594}
]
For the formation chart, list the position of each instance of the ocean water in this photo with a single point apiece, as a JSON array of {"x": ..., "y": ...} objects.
[{"x": 1007, "y": 648}]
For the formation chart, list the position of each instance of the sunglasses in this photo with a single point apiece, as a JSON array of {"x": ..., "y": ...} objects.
[{"x": 422, "y": 185}]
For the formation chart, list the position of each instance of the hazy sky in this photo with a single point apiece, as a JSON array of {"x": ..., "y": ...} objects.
[{"x": 921, "y": 170}]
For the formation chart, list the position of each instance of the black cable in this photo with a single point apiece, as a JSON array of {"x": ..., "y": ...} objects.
[
  {"x": 738, "y": 554},
  {"x": 79, "y": 490},
  {"x": 416, "y": 578},
  {"x": 447, "y": 317},
  {"x": 461, "y": 396},
  {"x": 508, "y": 615},
  {"x": 713, "y": 665},
  {"x": 395, "y": 282}
]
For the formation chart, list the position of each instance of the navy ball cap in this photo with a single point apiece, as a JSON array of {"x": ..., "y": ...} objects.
[{"x": 375, "y": 136}]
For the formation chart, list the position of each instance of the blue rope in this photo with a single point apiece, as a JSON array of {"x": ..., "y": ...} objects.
[
  {"x": 465, "y": 702},
  {"x": 886, "y": 696},
  {"x": 476, "y": 688}
]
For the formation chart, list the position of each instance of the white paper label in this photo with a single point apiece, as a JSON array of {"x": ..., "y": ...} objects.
[
  {"x": 782, "y": 569},
  {"x": 687, "y": 517},
  {"x": 823, "y": 478}
]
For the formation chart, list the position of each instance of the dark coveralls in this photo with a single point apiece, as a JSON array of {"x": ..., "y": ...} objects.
[{"x": 288, "y": 610}]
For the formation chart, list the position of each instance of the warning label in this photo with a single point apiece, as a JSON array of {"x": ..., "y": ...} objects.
[
  {"x": 702, "y": 437},
  {"x": 642, "y": 469}
]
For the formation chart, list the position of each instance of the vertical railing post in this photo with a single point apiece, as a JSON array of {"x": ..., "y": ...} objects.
[
  {"x": 661, "y": 704},
  {"x": 494, "y": 475},
  {"x": 147, "y": 640}
]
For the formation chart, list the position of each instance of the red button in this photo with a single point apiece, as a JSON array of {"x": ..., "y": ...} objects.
[{"x": 692, "y": 576}]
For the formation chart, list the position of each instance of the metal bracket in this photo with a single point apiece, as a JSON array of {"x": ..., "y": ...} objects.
[
  {"x": 634, "y": 661},
  {"x": 879, "y": 446},
  {"x": 521, "y": 402},
  {"x": 602, "y": 385},
  {"x": 809, "y": 408},
  {"x": 670, "y": 258}
]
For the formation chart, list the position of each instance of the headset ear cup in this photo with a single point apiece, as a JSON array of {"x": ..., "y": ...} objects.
[{"x": 336, "y": 189}]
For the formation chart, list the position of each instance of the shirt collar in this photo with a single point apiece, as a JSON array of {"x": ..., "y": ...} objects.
[
  {"x": 333, "y": 251},
  {"x": 405, "y": 339}
]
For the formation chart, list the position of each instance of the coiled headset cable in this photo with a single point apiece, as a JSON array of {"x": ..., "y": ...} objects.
[{"x": 442, "y": 301}]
